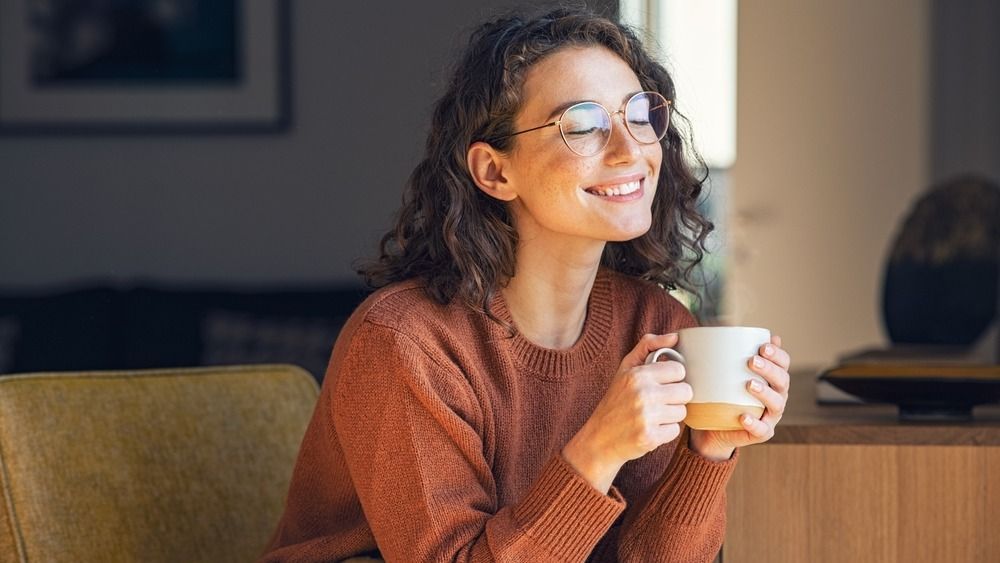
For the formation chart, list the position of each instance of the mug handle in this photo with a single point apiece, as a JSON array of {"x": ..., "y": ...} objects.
[{"x": 669, "y": 352}]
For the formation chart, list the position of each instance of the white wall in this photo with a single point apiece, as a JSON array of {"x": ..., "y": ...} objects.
[
  {"x": 832, "y": 147},
  {"x": 297, "y": 207}
]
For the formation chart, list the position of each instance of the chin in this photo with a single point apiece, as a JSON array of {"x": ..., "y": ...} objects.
[{"x": 626, "y": 235}]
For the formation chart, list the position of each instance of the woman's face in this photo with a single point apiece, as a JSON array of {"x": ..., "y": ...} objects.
[{"x": 561, "y": 196}]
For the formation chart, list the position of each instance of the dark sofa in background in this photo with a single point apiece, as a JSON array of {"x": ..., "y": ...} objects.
[{"x": 145, "y": 326}]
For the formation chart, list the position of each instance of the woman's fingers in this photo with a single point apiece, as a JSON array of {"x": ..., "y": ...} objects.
[
  {"x": 761, "y": 429},
  {"x": 672, "y": 414},
  {"x": 662, "y": 434},
  {"x": 647, "y": 344},
  {"x": 661, "y": 372},
  {"x": 775, "y": 353},
  {"x": 774, "y": 402},
  {"x": 661, "y": 384},
  {"x": 775, "y": 375},
  {"x": 771, "y": 389},
  {"x": 679, "y": 393}
]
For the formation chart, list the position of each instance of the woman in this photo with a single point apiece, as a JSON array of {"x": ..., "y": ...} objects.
[{"x": 490, "y": 401}]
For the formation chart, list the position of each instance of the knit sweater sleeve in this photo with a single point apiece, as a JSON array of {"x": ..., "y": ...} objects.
[
  {"x": 683, "y": 517},
  {"x": 412, "y": 432}
]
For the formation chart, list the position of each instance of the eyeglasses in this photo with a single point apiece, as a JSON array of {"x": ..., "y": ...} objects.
[{"x": 586, "y": 127}]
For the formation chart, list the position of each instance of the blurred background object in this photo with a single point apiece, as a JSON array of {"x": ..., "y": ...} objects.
[
  {"x": 139, "y": 41},
  {"x": 144, "y": 66},
  {"x": 941, "y": 310},
  {"x": 943, "y": 272}
]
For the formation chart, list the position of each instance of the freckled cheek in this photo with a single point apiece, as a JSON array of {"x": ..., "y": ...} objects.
[{"x": 561, "y": 175}]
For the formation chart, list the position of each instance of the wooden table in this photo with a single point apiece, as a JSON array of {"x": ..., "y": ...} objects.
[{"x": 851, "y": 483}]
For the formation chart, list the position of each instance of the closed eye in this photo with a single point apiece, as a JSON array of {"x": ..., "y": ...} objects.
[{"x": 582, "y": 132}]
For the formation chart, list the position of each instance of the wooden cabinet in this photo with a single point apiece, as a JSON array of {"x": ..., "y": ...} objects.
[{"x": 853, "y": 484}]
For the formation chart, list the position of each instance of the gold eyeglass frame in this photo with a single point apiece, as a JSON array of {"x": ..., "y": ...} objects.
[{"x": 611, "y": 120}]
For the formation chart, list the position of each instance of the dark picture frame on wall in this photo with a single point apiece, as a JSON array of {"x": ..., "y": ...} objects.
[{"x": 144, "y": 67}]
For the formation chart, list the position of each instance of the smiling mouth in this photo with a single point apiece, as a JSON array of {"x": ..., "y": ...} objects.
[{"x": 617, "y": 190}]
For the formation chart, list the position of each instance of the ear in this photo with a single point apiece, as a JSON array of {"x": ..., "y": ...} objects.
[{"x": 486, "y": 165}]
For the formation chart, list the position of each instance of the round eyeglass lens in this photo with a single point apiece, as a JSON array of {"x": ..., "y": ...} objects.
[
  {"x": 586, "y": 128},
  {"x": 647, "y": 116}
]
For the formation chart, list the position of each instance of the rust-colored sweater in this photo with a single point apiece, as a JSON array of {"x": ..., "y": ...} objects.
[{"x": 437, "y": 437}]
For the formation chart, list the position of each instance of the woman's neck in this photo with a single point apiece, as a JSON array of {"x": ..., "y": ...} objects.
[{"x": 547, "y": 297}]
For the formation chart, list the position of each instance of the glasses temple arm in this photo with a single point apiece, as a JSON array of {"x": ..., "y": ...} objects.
[{"x": 532, "y": 129}]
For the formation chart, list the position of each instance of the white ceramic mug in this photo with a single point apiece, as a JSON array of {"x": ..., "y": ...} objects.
[{"x": 716, "y": 360}]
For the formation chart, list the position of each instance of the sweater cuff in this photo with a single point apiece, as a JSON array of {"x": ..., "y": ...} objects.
[
  {"x": 565, "y": 513},
  {"x": 693, "y": 485}
]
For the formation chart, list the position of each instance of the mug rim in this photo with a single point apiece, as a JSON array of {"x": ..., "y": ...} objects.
[{"x": 740, "y": 327}]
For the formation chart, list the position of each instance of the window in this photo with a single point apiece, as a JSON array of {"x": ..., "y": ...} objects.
[{"x": 696, "y": 41}]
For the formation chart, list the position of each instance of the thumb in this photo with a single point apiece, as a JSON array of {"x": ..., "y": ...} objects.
[{"x": 647, "y": 344}]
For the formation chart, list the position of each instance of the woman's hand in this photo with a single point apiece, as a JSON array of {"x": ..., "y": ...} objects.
[
  {"x": 771, "y": 388},
  {"x": 641, "y": 410}
]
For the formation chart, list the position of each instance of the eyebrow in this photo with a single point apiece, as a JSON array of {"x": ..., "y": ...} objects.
[{"x": 566, "y": 105}]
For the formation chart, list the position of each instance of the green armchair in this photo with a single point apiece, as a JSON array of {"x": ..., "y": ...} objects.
[{"x": 154, "y": 465}]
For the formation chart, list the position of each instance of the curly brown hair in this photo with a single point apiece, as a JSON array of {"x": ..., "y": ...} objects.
[{"x": 462, "y": 242}]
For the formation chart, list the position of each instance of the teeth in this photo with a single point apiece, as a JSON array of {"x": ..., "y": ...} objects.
[{"x": 623, "y": 189}]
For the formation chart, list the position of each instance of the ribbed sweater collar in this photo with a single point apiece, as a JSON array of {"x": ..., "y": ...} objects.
[{"x": 557, "y": 364}]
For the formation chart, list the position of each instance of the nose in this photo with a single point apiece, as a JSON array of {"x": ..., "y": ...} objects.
[{"x": 622, "y": 148}]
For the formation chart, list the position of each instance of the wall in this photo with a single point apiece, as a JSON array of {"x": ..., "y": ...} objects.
[
  {"x": 297, "y": 207},
  {"x": 965, "y": 87},
  {"x": 832, "y": 147}
]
